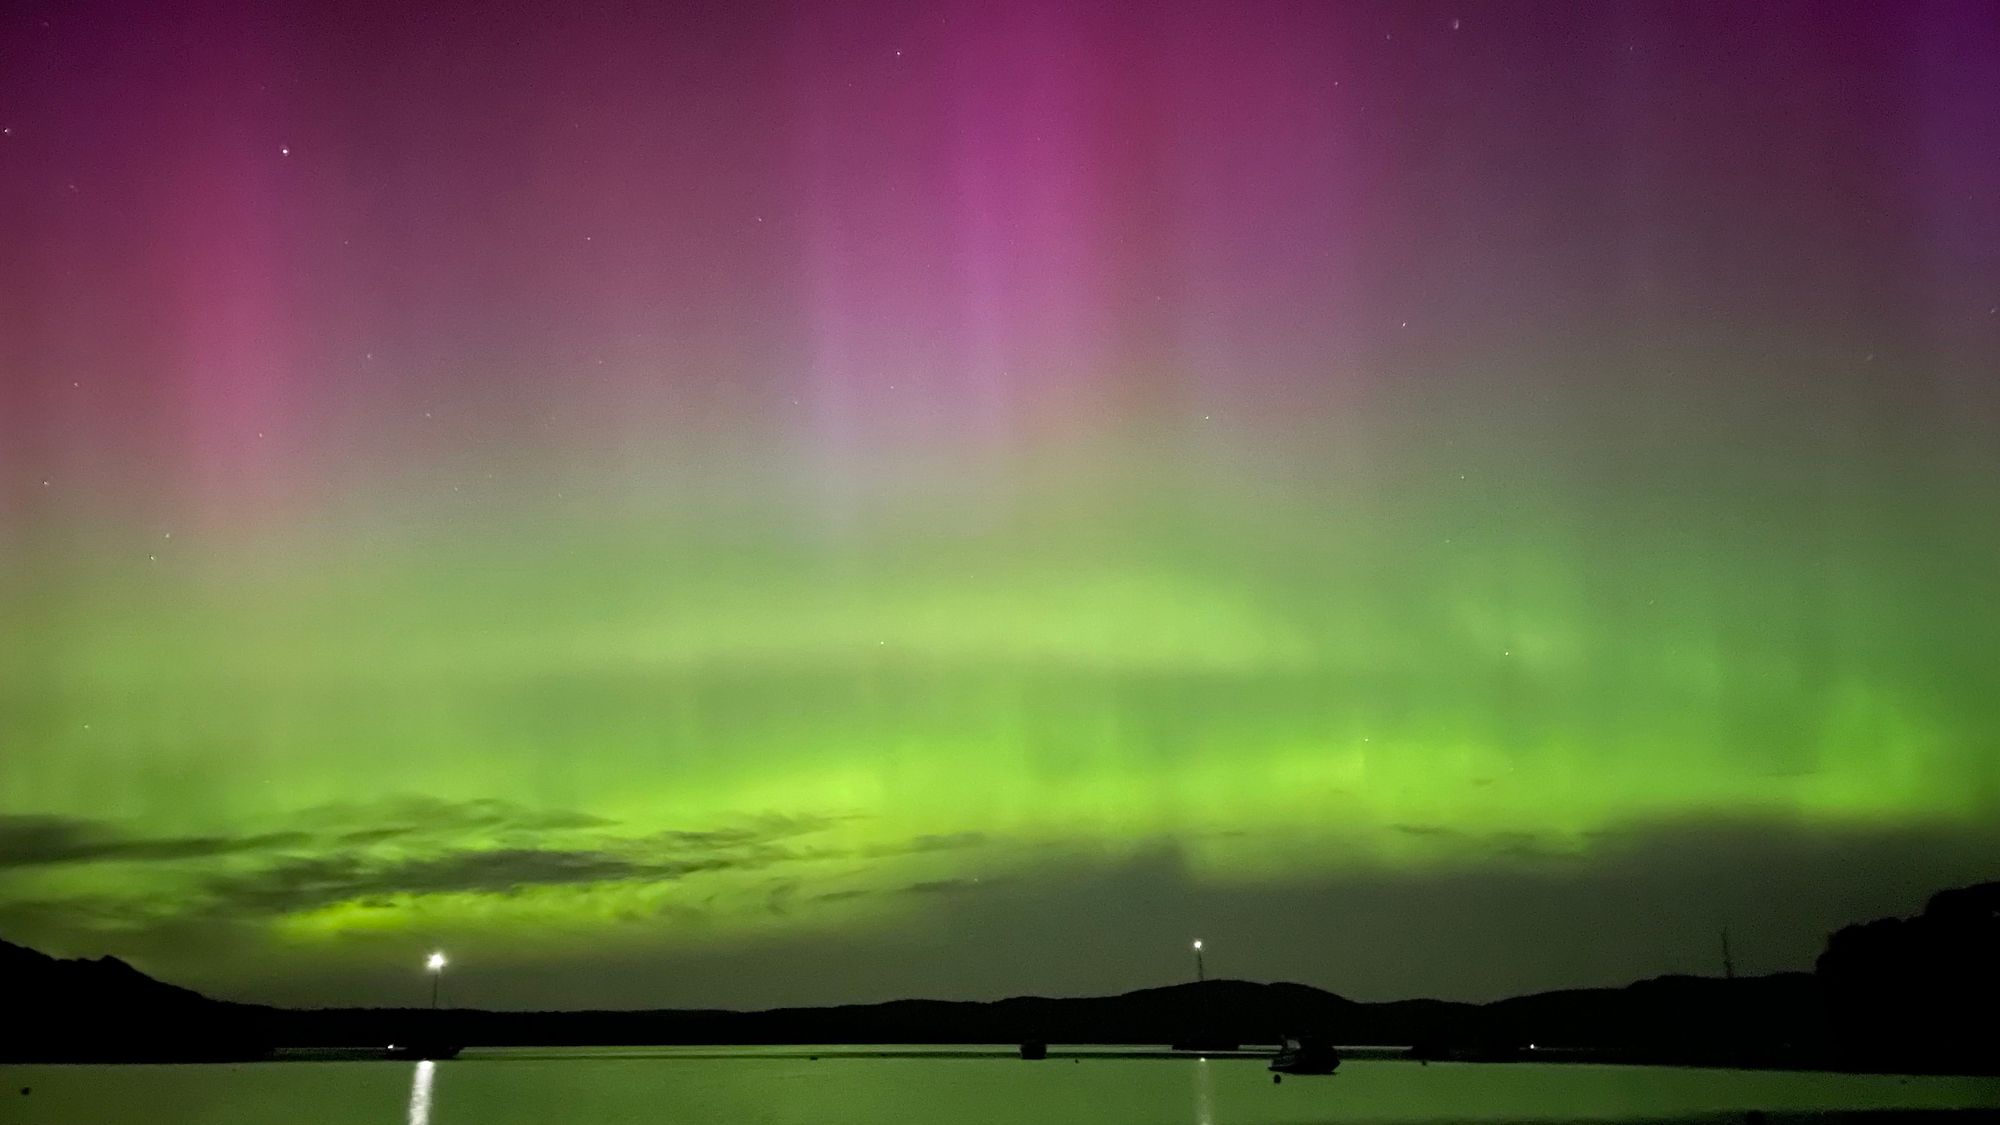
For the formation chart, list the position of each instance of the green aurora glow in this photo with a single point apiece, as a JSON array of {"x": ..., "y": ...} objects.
[{"x": 1303, "y": 560}]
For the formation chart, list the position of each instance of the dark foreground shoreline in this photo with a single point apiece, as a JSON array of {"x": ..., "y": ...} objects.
[
  {"x": 998, "y": 1052},
  {"x": 1891, "y": 996}
]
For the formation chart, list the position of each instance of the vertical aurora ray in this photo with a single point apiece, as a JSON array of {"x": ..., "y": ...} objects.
[{"x": 673, "y": 490}]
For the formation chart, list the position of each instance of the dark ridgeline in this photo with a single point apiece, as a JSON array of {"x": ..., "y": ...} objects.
[
  {"x": 1889, "y": 995},
  {"x": 1920, "y": 992},
  {"x": 106, "y": 1010}
]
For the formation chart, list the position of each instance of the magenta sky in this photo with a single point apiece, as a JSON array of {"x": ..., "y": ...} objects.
[{"x": 1192, "y": 465}]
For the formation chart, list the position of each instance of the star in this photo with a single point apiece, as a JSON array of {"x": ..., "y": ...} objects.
[
  {"x": 284, "y": 150},
  {"x": 1455, "y": 25}
]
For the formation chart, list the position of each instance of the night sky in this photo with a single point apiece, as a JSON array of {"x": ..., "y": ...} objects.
[{"x": 739, "y": 503}]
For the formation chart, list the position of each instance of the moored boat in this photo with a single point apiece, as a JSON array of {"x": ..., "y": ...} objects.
[
  {"x": 1305, "y": 1055},
  {"x": 420, "y": 1051}
]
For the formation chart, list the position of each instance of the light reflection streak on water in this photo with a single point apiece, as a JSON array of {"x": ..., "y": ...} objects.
[
  {"x": 420, "y": 1092},
  {"x": 1204, "y": 1092}
]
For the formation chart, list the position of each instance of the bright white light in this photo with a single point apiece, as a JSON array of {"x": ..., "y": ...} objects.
[
  {"x": 1197, "y": 943},
  {"x": 435, "y": 963},
  {"x": 420, "y": 1092}
]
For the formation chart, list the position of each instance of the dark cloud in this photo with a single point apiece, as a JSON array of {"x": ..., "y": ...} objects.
[
  {"x": 346, "y": 853},
  {"x": 920, "y": 845},
  {"x": 1466, "y": 923},
  {"x": 923, "y": 887},
  {"x": 359, "y": 874},
  {"x": 305, "y": 884},
  {"x": 418, "y": 817},
  {"x": 362, "y": 837},
  {"x": 948, "y": 886},
  {"x": 40, "y": 841},
  {"x": 948, "y": 842},
  {"x": 757, "y": 831},
  {"x": 779, "y": 896},
  {"x": 421, "y": 824}
]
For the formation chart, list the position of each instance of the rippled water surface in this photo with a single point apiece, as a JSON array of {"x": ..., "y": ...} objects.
[{"x": 974, "y": 1086}]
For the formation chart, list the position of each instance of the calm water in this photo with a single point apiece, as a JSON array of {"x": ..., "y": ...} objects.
[{"x": 753, "y": 1085}]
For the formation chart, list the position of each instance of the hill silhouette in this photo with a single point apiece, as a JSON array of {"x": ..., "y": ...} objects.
[
  {"x": 1670, "y": 1018},
  {"x": 1914, "y": 978},
  {"x": 1922, "y": 989},
  {"x": 104, "y": 1009}
]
